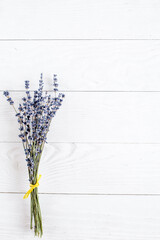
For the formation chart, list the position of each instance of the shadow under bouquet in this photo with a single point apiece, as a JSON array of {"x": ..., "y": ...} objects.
[{"x": 34, "y": 116}]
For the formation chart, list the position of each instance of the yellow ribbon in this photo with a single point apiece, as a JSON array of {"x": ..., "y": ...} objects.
[{"x": 32, "y": 187}]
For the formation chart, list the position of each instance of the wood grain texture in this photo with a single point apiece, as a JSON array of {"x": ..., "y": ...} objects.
[
  {"x": 82, "y": 65},
  {"x": 80, "y": 19},
  {"x": 85, "y": 169},
  {"x": 95, "y": 117},
  {"x": 101, "y": 168},
  {"x": 83, "y": 217}
]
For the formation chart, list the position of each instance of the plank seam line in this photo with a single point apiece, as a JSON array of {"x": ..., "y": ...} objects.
[
  {"x": 80, "y": 39},
  {"x": 90, "y": 194}
]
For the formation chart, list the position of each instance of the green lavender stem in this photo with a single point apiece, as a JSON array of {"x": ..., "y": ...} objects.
[{"x": 36, "y": 214}]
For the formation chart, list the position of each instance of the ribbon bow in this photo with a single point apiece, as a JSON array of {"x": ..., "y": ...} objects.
[{"x": 32, "y": 187}]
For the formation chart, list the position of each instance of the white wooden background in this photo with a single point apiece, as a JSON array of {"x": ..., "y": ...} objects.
[{"x": 101, "y": 167}]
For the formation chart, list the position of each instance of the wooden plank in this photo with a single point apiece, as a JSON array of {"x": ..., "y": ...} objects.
[
  {"x": 82, "y": 65},
  {"x": 81, "y": 19},
  {"x": 95, "y": 117},
  {"x": 85, "y": 168},
  {"x": 83, "y": 217}
]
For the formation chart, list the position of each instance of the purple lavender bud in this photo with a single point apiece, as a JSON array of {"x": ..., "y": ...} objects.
[
  {"x": 27, "y": 84},
  {"x": 20, "y": 108},
  {"x": 30, "y": 138},
  {"x": 21, "y": 135},
  {"x": 6, "y": 93},
  {"x": 11, "y": 102}
]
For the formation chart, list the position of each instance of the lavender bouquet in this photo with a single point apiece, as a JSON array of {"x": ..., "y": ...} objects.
[{"x": 34, "y": 115}]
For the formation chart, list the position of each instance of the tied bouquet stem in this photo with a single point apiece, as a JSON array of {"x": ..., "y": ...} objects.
[{"x": 34, "y": 116}]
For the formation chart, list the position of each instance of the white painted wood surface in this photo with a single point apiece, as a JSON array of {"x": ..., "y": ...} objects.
[
  {"x": 71, "y": 19},
  {"x": 95, "y": 117},
  {"x": 82, "y": 65},
  {"x": 83, "y": 217},
  {"x": 85, "y": 168},
  {"x": 101, "y": 167}
]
